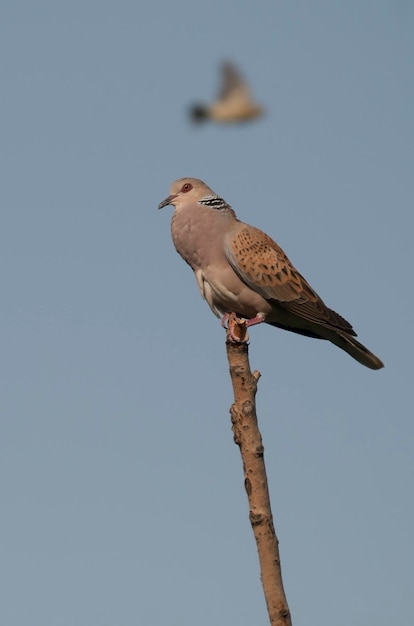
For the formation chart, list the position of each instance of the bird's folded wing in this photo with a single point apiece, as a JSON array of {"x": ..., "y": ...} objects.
[{"x": 265, "y": 268}]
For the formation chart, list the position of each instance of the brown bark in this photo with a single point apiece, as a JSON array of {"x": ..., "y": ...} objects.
[{"x": 247, "y": 436}]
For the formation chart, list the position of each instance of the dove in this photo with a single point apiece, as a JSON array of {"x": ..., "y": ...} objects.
[
  {"x": 241, "y": 270},
  {"x": 234, "y": 102}
]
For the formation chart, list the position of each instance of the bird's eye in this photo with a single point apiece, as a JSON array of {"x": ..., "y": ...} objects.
[{"x": 186, "y": 187}]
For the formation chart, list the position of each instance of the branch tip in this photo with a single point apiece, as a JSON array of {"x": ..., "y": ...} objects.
[{"x": 236, "y": 330}]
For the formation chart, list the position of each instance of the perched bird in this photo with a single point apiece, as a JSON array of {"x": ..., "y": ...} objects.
[
  {"x": 239, "y": 269},
  {"x": 234, "y": 102}
]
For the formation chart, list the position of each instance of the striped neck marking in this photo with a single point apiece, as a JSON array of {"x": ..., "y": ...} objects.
[{"x": 215, "y": 202}]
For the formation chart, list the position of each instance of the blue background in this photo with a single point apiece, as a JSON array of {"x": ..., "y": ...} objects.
[{"x": 122, "y": 498}]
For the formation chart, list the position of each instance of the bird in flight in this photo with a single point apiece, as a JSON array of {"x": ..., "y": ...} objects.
[
  {"x": 233, "y": 104},
  {"x": 239, "y": 269}
]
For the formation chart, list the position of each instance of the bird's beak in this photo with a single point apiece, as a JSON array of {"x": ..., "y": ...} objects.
[{"x": 167, "y": 201}]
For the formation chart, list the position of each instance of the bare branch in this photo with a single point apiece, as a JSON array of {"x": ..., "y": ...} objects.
[{"x": 247, "y": 436}]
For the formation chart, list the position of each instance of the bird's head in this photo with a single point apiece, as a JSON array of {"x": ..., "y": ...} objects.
[{"x": 186, "y": 190}]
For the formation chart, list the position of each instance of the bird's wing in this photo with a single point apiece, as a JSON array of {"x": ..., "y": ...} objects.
[
  {"x": 232, "y": 84},
  {"x": 265, "y": 268}
]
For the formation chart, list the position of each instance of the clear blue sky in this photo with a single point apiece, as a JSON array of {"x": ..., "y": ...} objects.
[{"x": 121, "y": 489}]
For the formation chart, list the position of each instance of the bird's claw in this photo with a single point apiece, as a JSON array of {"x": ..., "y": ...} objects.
[{"x": 224, "y": 320}]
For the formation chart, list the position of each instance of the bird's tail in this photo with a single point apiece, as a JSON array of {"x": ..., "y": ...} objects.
[{"x": 356, "y": 350}]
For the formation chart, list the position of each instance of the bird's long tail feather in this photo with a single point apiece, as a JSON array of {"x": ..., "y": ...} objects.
[{"x": 356, "y": 350}]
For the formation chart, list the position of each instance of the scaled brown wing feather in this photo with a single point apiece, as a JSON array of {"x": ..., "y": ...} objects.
[{"x": 264, "y": 267}]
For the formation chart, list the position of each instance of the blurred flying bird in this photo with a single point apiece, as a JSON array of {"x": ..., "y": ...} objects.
[{"x": 234, "y": 102}]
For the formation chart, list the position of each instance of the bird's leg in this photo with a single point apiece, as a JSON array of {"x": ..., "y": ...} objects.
[
  {"x": 259, "y": 319},
  {"x": 256, "y": 320},
  {"x": 236, "y": 328}
]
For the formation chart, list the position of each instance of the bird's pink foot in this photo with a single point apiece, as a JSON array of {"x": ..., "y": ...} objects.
[{"x": 259, "y": 319}]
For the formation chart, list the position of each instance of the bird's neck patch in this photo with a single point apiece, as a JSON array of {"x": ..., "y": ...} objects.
[{"x": 214, "y": 202}]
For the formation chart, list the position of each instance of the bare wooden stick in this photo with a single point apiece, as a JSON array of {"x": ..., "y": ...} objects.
[{"x": 247, "y": 436}]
